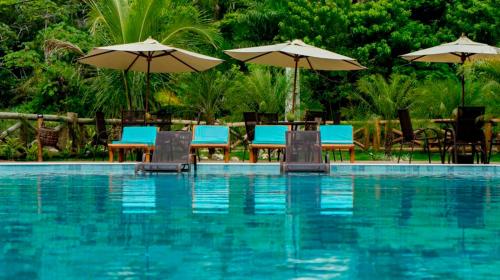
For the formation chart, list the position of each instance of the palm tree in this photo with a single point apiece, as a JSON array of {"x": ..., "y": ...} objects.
[
  {"x": 263, "y": 89},
  {"x": 124, "y": 21},
  {"x": 206, "y": 92},
  {"x": 382, "y": 97}
]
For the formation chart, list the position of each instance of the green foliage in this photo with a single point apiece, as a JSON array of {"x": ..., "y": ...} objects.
[
  {"x": 11, "y": 148},
  {"x": 382, "y": 97},
  {"x": 40, "y": 41},
  {"x": 122, "y": 21},
  {"x": 206, "y": 92},
  {"x": 262, "y": 90}
]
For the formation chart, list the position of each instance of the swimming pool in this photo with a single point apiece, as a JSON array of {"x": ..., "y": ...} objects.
[{"x": 241, "y": 221}]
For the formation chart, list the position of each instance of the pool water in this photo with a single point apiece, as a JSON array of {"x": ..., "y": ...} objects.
[{"x": 244, "y": 225}]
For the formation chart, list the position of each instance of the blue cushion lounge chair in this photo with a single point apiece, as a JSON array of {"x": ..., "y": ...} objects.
[
  {"x": 134, "y": 137},
  {"x": 172, "y": 153},
  {"x": 211, "y": 136},
  {"x": 267, "y": 137},
  {"x": 303, "y": 153},
  {"x": 337, "y": 137}
]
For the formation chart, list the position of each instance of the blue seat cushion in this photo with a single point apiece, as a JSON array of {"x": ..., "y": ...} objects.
[
  {"x": 336, "y": 134},
  {"x": 138, "y": 135},
  {"x": 211, "y": 134},
  {"x": 270, "y": 134}
]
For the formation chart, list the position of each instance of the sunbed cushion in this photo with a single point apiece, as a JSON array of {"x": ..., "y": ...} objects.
[
  {"x": 211, "y": 134},
  {"x": 138, "y": 135},
  {"x": 270, "y": 134},
  {"x": 336, "y": 134}
]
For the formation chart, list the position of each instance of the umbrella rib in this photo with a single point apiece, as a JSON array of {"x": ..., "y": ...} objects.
[
  {"x": 165, "y": 53},
  {"x": 180, "y": 60},
  {"x": 350, "y": 62},
  {"x": 133, "y": 62},
  {"x": 292, "y": 56},
  {"x": 418, "y": 57},
  {"x": 257, "y": 56},
  {"x": 309, "y": 62},
  {"x": 97, "y": 54}
]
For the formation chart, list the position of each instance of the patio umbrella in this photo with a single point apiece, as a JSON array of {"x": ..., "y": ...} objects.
[
  {"x": 295, "y": 54},
  {"x": 459, "y": 51},
  {"x": 149, "y": 56}
]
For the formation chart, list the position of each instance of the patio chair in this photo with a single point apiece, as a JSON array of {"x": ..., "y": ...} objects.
[
  {"x": 211, "y": 136},
  {"x": 303, "y": 153},
  {"x": 267, "y": 118},
  {"x": 133, "y": 118},
  {"x": 134, "y": 137},
  {"x": 251, "y": 120},
  {"x": 314, "y": 116},
  {"x": 466, "y": 133},
  {"x": 163, "y": 120},
  {"x": 172, "y": 153},
  {"x": 101, "y": 133},
  {"x": 495, "y": 141},
  {"x": 338, "y": 137},
  {"x": 267, "y": 137},
  {"x": 411, "y": 137}
]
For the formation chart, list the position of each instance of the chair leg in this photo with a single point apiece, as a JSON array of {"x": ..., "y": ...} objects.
[
  {"x": 412, "y": 145},
  {"x": 333, "y": 153},
  {"x": 269, "y": 155},
  {"x": 340, "y": 155},
  {"x": 400, "y": 150},
  {"x": 428, "y": 149}
]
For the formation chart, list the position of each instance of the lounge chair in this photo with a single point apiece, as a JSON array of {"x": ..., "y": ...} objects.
[
  {"x": 411, "y": 137},
  {"x": 211, "y": 136},
  {"x": 337, "y": 137},
  {"x": 303, "y": 153},
  {"x": 267, "y": 137},
  {"x": 171, "y": 153},
  {"x": 134, "y": 137}
]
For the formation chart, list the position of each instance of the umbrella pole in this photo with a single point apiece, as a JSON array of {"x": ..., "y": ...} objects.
[
  {"x": 147, "y": 85},
  {"x": 294, "y": 84},
  {"x": 462, "y": 57},
  {"x": 463, "y": 90}
]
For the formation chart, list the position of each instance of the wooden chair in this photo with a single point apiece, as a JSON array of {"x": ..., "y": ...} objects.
[
  {"x": 314, "y": 116},
  {"x": 411, "y": 137},
  {"x": 101, "y": 136},
  {"x": 133, "y": 118},
  {"x": 338, "y": 137},
  {"x": 267, "y": 137},
  {"x": 211, "y": 136},
  {"x": 466, "y": 133}
]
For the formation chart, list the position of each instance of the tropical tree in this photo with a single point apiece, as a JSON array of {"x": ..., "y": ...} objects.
[
  {"x": 379, "y": 97},
  {"x": 205, "y": 92},
  {"x": 123, "y": 21},
  {"x": 262, "y": 90}
]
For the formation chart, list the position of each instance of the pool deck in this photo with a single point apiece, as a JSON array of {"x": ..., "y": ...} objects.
[{"x": 263, "y": 168}]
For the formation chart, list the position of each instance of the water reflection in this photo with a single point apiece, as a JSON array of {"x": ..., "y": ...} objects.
[{"x": 260, "y": 226}]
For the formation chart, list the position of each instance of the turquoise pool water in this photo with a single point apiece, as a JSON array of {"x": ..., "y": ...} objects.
[{"x": 87, "y": 222}]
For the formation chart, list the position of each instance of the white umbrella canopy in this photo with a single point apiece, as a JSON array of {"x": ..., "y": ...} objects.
[
  {"x": 149, "y": 56},
  {"x": 459, "y": 51},
  {"x": 295, "y": 54}
]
